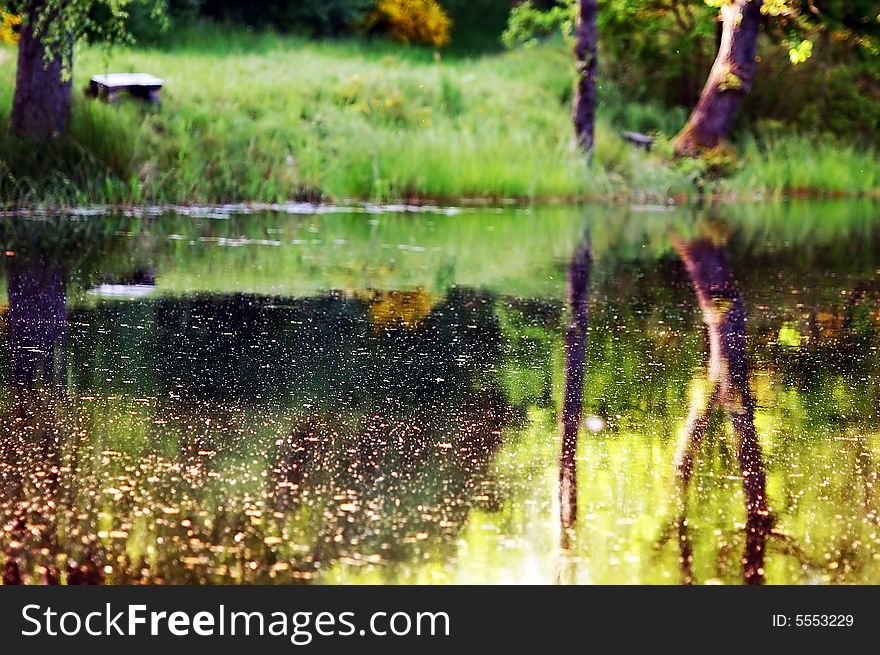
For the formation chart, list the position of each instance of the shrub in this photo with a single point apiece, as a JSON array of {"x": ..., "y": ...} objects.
[
  {"x": 419, "y": 21},
  {"x": 529, "y": 24},
  {"x": 9, "y": 25}
]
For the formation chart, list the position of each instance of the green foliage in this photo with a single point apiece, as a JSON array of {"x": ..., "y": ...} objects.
[
  {"x": 451, "y": 96},
  {"x": 653, "y": 51},
  {"x": 648, "y": 116},
  {"x": 58, "y": 22},
  {"x": 659, "y": 55},
  {"x": 476, "y": 24},
  {"x": 373, "y": 121},
  {"x": 376, "y": 121},
  {"x": 384, "y": 125},
  {"x": 830, "y": 92},
  {"x": 657, "y": 52},
  {"x": 142, "y": 23},
  {"x": 529, "y": 24},
  {"x": 799, "y": 52},
  {"x": 320, "y": 18},
  {"x": 797, "y": 23}
]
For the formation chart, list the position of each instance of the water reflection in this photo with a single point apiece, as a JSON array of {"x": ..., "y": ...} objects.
[
  {"x": 571, "y": 414},
  {"x": 727, "y": 386},
  {"x": 398, "y": 399},
  {"x": 35, "y": 433},
  {"x": 36, "y": 324},
  {"x": 36, "y": 321}
]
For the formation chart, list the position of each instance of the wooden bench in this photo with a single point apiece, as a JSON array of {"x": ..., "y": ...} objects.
[
  {"x": 639, "y": 139},
  {"x": 108, "y": 87}
]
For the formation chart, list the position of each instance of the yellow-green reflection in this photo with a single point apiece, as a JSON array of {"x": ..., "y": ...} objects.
[{"x": 199, "y": 400}]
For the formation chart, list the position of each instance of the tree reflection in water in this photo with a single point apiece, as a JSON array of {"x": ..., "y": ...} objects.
[
  {"x": 270, "y": 429},
  {"x": 35, "y": 436},
  {"x": 40, "y": 438},
  {"x": 575, "y": 348},
  {"x": 727, "y": 387}
]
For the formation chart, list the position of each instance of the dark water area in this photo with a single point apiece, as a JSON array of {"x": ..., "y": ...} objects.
[{"x": 573, "y": 395}]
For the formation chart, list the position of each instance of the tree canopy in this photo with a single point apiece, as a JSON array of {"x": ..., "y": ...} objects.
[{"x": 57, "y": 22}]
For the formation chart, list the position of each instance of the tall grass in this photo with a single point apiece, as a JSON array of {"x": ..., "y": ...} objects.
[
  {"x": 262, "y": 117},
  {"x": 805, "y": 164}
]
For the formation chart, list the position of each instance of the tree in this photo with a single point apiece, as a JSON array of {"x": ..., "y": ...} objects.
[
  {"x": 585, "y": 53},
  {"x": 577, "y": 19},
  {"x": 794, "y": 24},
  {"x": 727, "y": 375},
  {"x": 43, "y": 83},
  {"x": 41, "y": 104},
  {"x": 729, "y": 80}
]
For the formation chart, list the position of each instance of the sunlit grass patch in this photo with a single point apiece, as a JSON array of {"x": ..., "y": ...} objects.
[{"x": 263, "y": 117}]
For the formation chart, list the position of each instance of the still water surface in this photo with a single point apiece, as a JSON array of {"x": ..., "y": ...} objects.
[{"x": 574, "y": 395}]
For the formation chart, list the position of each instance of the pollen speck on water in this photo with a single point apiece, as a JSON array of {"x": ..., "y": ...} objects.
[{"x": 290, "y": 397}]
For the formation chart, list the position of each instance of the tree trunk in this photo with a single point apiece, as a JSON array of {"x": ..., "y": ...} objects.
[
  {"x": 41, "y": 105},
  {"x": 585, "y": 52},
  {"x": 573, "y": 391},
  {"x": 729, "y": 80}
]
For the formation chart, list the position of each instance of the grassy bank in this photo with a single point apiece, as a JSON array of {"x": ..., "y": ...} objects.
[{"x": 271, "y": 118}]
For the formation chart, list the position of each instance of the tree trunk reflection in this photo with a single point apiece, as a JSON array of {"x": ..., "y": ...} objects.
[
  {"x": 573, "y": 391},
  {"x": 31, "y": 443},
  {"x": 728, "y": 387}
]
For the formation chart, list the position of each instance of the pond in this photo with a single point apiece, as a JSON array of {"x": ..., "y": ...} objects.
[{"x": 543, "y": 395}]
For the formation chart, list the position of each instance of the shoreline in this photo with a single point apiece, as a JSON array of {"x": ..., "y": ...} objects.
[{"x": 424, "y": 205}]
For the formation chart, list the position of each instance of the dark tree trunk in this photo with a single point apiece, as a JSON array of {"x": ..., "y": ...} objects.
[
  {"x": 573, "y": 391},
  {"x": 729, "y": 80},
  {"x": 728, "y": 375},
  {"x": 11, "y": 573},
  {"x": 585, "y": 52},
  {"x": 685, "y": 551},
  {"x": 37, "y": 321},
  {"x": 33, "y": 436},
  {"x": 41, "y": 105}
]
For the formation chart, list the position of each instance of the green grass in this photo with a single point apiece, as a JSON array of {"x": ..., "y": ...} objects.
[
  {"x": 804, "y": 164},
  {"x": 262, "y": 117}
]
